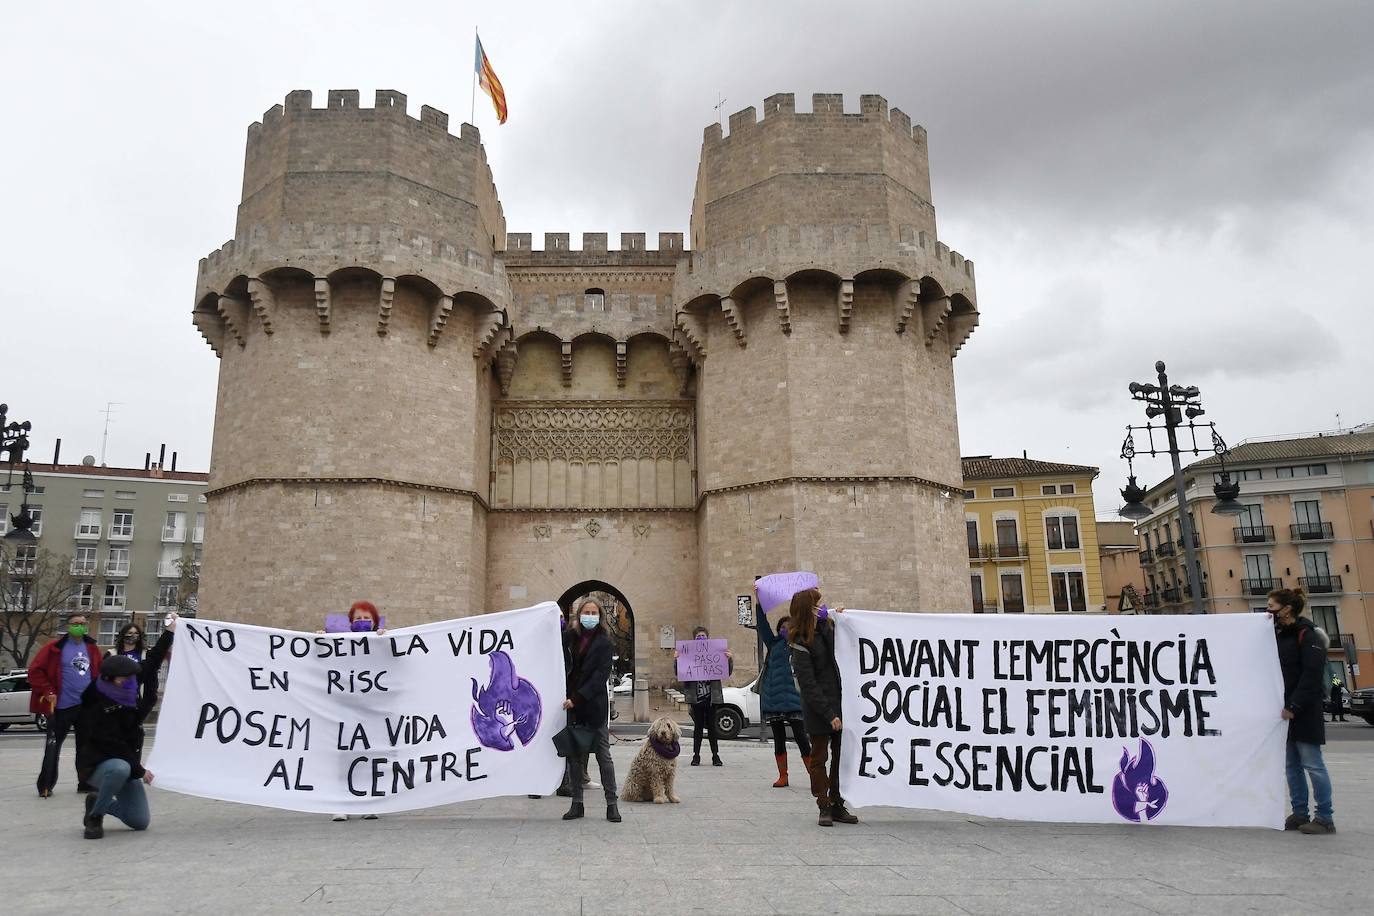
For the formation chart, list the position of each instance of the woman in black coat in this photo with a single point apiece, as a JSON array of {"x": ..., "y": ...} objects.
[
  {"x": 109, "y": 746},
  {"x": 589, "y": 670},
  {"x": 1302, "y": 658},
  {"x": 812, "y": 640}
]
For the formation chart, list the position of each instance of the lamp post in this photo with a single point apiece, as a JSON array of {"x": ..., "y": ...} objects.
[
  {"x": 1173, "y": 403},
  {"x": 14, "y": 441}
]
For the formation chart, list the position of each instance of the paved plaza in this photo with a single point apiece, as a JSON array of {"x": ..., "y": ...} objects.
[{"x": 734, "y": 846}]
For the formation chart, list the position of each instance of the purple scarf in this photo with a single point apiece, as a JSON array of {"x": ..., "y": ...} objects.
[
  {"x": 666, "y": 751},
  {"x": 127, "y": 695}
]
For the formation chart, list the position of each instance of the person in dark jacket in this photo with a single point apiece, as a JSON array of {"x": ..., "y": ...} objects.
[
  {"x": 779, "y": 701},
  {"x": 59, "y": 675},
  {"x": 130, "y": 644},
  {"x": 108, "y": 749},
  {"x": 1302, "y": 658},
  {"x": 589, "y": 670},
  {"x": 702, "y": 698},
  {"x": 812, "y": 640},
  {"x": 1337, "y": 700}
]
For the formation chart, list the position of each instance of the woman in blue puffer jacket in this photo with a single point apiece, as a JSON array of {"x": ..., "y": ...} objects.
[{"x": 779, "y": 701}]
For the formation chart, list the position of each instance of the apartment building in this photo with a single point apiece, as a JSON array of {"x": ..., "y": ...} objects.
[
  {"x": 1032, "y": 536},
  {"x": 126, "y": 534},
  {"x": 1308, "y": 522}
]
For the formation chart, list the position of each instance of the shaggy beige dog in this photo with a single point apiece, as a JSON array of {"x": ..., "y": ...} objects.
[{"x": 655, "y": 766}]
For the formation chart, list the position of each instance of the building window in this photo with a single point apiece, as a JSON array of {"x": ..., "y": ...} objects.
[
  {"x": 177, "y": 497},
  {"x": 169, "y": 566},
  {"x": 88, "y": 526},
  {"x": 4, "y": 517},
  {"x": 976, "y": 582},
  {"x": 82, "y": 597},
  {"x": 85, "y": 561},
  {"x": 114, "y": 596},
  {"x": 1069, "y": 593},
  {"x": 1013, "y": 599},
  {"x": 92, "y": 494},
  {"x": 200, "y": 498},
  {"x": 117, "y": 563},
  {"x": 122, "y": 525},
  {"x": 25, "y": 560},
  {"x": 595, "y": 300},
  {"x": 1251, "y": 518},
  {"x": 1047, "y": 489},
  {"x": 198, "y": 534},
  {"x": 174, "y": 527},
  {"x": 1326, "y": 617},
  {"x": 970, "y": 494},
  {"x": 109, "y": 630},
  {"x": 1061, "y": 531},
  {"x": 36, "y": 512},
  {"x": 1241, "y": 475},
  {"x": 1008, "y": 542},
  {"x": 167, "y": 596},
  {"x": 125, "y": 494},
  {"x": 1067, "y": 489},
  {"x": 1301, "y": 470},
  {"x": 1003, "y": 492}
]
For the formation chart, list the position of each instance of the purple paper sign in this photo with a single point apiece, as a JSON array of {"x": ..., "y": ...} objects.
[
  {"x": 702, "y": 660},
  {"x": 338, "y": 623},
  {"x": 779, "y": 588}
]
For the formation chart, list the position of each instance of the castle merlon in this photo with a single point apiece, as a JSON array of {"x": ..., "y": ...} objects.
[
  {"x": 826, "y": 108},
  {"x": 386, "y": 101}
]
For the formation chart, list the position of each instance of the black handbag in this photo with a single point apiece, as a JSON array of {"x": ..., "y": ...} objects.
[{"x": 574, "y": 741}]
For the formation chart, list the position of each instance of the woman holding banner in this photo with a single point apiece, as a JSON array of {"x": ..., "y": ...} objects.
[
  {"x": 363, "y": 618},
  {"x": 589, "y": 669},
  {"x": 812, "y": 641},
  {"x": 703, "y": 697},
  {"x": 778, "y": 698}
]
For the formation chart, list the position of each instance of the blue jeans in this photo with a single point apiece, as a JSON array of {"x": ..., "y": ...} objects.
[
  {"x": 119, "y": 795},
  {"x": 1305, "y": 762}
]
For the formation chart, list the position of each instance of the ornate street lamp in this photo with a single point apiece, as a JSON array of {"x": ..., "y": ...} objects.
[
  {"x": 14, "y": 441},
  {"x": 1173, "y": 403}
]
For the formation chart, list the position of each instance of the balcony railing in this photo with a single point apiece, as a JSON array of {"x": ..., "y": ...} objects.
[
  {"x": 1147, "y": 556},
  {"x": 1166, "y": 550},
  {"x": 169, "y": 570},
  {"x": 1259, "y": 586},
  {"x": 1346, "y": 641},
  {"x": 84, "y": 567},
  {"x": 173, "y": 535},
  {"x": 1197, "y": 542},
  {"x": 121, "y": 532},
  {"x": 1150, "y": 599},
  {"x": 1256, "y": 534},
  {"x": 975, "y": 551},
  {"x": 1320, "y": 585},
  {"x": 985, "y": 607},
  {"x": 1169, "y": 595},
  {"x": 1005, "y": 551},
  {"x": 113, "y": 568},
  {"x": 1188, "y": 590},
  {"x": 23, "y": 567},
  {"x": 1014, "y": 605},
  {"x": 1311, "y": 531},
  {"x": 88, "y": 532}
]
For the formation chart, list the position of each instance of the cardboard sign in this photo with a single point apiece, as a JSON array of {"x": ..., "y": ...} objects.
[
  {"x": 776, "y": 591},
  {"x": 702, "y": 660}
]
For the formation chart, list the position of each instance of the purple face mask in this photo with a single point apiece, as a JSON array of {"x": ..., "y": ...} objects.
[
  {"x": 361, "y": 625},
  {"x": 824, "y": 612}
]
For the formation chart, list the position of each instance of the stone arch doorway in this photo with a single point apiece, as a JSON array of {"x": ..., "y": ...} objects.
[{"x": 619, "y": 614}]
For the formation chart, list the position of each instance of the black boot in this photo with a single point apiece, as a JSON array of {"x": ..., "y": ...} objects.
[
  {"x": 575, "y": 812},
  {"x": 613, "y": 813},
  {"x": 94, "y": 824},
  {"x": 840, "y": 814},
  {"x": 716, "y": 761},
  {"x": 696, "y": 760}
]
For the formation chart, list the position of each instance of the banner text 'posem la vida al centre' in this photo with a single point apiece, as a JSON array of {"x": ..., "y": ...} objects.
[
  {"x": 1159, "y": 720},
  {"x": 362, "y": 723}
]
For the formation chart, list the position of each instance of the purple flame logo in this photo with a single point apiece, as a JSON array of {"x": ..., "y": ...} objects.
[
  {"x": 508, "y": 706},
  {"x": 1137, "y": 793}
]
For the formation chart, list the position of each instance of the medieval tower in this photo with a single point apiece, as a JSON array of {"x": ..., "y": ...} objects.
[{"x": 418, "y": 408}]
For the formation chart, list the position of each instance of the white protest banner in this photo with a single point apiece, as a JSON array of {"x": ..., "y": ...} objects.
[
  {"x": 361, "y": 723},
  {"x": 1093, "y": 719}
]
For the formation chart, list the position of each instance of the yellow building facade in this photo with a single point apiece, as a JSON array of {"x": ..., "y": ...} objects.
[{"x": 1032, "y": 536}]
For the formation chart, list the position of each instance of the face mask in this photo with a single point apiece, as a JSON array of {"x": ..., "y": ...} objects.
[
  {"x": 701, "y": 636},
  {"x": 589, "y": 621},
  {"x": 361, "y": 625},
  {"x": 76, "y": 630}
]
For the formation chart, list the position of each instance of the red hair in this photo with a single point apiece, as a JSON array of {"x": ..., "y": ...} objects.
[{"x": 368, "y": 608}]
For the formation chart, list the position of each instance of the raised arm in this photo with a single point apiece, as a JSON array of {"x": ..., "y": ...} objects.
[{"x": 766, "y": 631}]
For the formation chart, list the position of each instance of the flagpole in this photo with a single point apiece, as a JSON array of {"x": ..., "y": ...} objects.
[{"x": 476, "y": 43}]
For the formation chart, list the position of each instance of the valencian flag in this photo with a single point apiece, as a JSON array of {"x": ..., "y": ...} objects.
[{"x": 486, "y": 78}]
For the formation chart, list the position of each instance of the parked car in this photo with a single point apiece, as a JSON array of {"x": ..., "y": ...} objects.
[
  {"x": 1361, "y": 704},
  {"x": 739, "y": 709},
  {"x": 14, "y": 703},
  {"x": 626, "y": 685}
]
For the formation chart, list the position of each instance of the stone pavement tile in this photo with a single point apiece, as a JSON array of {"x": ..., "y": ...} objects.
[
  {"x": 825, "y": 903},
  {"x": 1240, "y": 903},
  {"x": 1060, "y": 903},
  {"x": 743, "y": 899},
  {"x": 952, "y": 883}
]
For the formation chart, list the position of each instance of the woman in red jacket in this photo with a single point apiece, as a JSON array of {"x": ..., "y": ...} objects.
[{"x": 59, "y": 674}]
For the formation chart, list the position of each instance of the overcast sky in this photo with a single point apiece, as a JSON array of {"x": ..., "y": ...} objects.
[{"x": 1184, "y": 181}]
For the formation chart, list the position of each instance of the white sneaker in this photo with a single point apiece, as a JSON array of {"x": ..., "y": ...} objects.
[
  {"x": 593, "y": 784},
  {"x": 340, "y": 817}
]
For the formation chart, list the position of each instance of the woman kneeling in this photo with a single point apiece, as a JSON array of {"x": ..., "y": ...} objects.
[{"x": 107, "y": 754}]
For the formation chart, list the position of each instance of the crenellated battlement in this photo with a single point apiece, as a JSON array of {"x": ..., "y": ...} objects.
[
  {"x": 827, "y": 108},
  {"x": 388, "y": 102},
  {"x": 595, "y": 250}
]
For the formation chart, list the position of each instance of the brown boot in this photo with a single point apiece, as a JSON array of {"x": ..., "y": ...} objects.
[
  {"x": 825, "y": 819},
  {"x": 782, "y": 771},
  {"x": 841, "y": 815},
  {"x": 1295, "y": 821}
]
